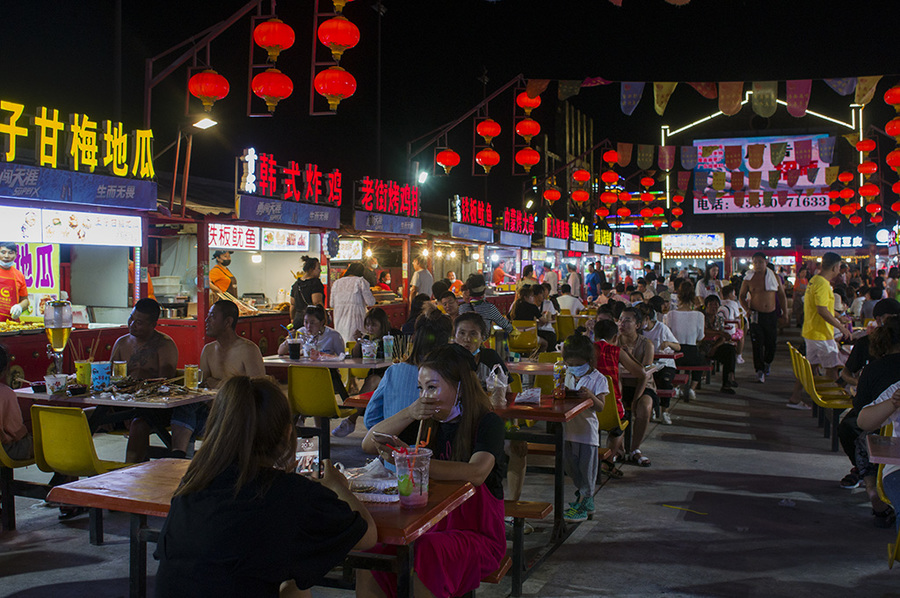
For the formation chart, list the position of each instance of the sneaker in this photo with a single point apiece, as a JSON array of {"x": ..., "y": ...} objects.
[
  {"x": 692, "y": 396},
  {"x": 883, "y": 519},
  {"x": 760, "y": 376},
  {"x": 344, "y": 428},
  {"x": 666, "y": 418},
  {"x": 577, "y": 500},
  {"x": 740, "y": 359},
  {"x": 575, "y": 514},
  {"x": 801, "y": 406},
  {"x": 588, "y": 505},
  {"x": 851, "y": 480}
]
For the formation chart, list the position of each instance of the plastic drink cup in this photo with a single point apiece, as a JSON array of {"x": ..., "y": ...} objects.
[
  {"x": 100, "y": 374},
  {"x": 369, "y": 349},
  {"x": 412, "y": 476},
  {"x": 56, "y": 383},
  {"x": 119, "y": 370},
  {"x": 83, "y": 372},
  {"x": 193, "y": 376},
  {"x": 388, "y": 341},
  {"x": 295, "y": 346}
]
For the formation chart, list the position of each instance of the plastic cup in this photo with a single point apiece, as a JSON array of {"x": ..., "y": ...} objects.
[
  {"x": 56, "y": 383},
  {"x": 100, "y": 374},
  {"x": 83, "y": 372},
  {"x": 294, "y": 348},
  {"x": 369, "y": 349},
  {"x": 412, "y": 477}
]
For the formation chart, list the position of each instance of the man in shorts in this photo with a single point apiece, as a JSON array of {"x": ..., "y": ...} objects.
[{"x": 819, "y": 320}]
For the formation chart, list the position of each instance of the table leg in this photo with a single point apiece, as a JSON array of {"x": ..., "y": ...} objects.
[
  {"x": 405, "y": 562},
  {"x": 95, "y": 526},
  {"x": 324, "y": 438},
  {"x": 137, "y": 579},
  {"x": 559, "y": 486}
]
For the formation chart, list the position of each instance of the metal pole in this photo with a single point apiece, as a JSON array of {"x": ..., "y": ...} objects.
[
  {"x": 187, "y": 170},
  {"x": 175, "y": 172}
]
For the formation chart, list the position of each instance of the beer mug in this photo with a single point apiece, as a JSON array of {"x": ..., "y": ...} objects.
[
  {"x": 119, "y": 370},
  {"x": 193, "y": 376}
]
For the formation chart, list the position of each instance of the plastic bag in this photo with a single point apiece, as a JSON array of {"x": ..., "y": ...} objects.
[{"x": 497, "y": 382}]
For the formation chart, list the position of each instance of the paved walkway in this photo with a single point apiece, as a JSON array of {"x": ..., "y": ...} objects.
[{"x": 742, "y": 500}]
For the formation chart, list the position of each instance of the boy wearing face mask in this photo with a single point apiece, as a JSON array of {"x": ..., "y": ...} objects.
[
  {"x": 13, "y": 292},
  {"x": 220, "y": 277}
]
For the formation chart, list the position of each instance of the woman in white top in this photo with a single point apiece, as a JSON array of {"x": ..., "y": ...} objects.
[
  {"x": 688, "y": 327},
  {"x": 350, "y": 298},
  {"x": 709, "y": 284},
  {"x": 663, "y": 342}
]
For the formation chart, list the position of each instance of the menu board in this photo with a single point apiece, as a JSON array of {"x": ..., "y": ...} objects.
[
  {"x": 279, "y": 239},
  {"x": 349, "y": 250},
  {"x": 21, "y": 225},
  {"x": 83, "y": 228},
  {"x": 690, "y": 244},
  {"x": 631, "y": 244}
]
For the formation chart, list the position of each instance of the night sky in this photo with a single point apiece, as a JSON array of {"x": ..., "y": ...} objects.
[{"x": 61, "y": 54}]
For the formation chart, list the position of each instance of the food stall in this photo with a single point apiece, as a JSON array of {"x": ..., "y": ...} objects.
[
  {"x": 386, "y": 217},
  {"x": 601, "y": 255},
  {"x": 693, "y": 250},
  {"x": 76, "y": 208},
  {"x": 781, "y": 252},
  {"x": 853, "y": 249},
  {"x": 280, "y": 214},
  {"x": 471, "y": 230},
  {"x": 516, "y": 230},
  {"x": 628, "y": 261},
  {"x": 556, "y": 245}
]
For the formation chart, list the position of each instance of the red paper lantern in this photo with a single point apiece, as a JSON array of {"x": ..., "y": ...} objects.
[
  {"x": 896, "y": 206},
  {"x": 209, "y": 86},
  {"x": 873, "y": 208},
  {"x": 610, "y": 177},
  {"x": 892, "y": 128},
  {"x": 273, "y": 86},
  {"x": 893, "y": 159},
  {"x": 677, "y": 212},
  {"x": 865, "y": 145},
  {"x": 834, "y": 208},
  {"x": 488, "y": 129},
  {"x": 527, "y": 129},
  {"x": 657, "y": 222},
  {"x": 648, "y": 181},
  {"x": 447, "y": 159},
  {"x": 608, "y": 197},
  {"x": 624, "y": 197},
  {"x": 834, "y": 221},
  {"x": 610, "y": 157},
  {"x": 552, "y": 194},
  {"x": 834, "y": 194},
  {"x": 847, "y": 209},
  {"x": 623, "y": 212},
  {"x": 646, "y": 213},
  {"x": 868, "y": 190},
  {"x": 658, "y": 211},
  {"x": 639, "y": 222},
  {"x": 647, "y": 197},
  {"x": 335, "y": 84},
  {"x": 581, "y": 175},
  {"x": 580, "y": 196},
  {"x": 678, "y": 198},
  {"x": 527, "y": 103},
  {"x": 676, "y": 224},
  {"x": 274, "y": 36},
  {"x": 487, "y": 159},
  {"x": 892, "y": 97},
  {"x": 845, "y": 177},
  {"x": 847, "y": 193},
  {"x": 527, "y": 157},
  {"x": 896, "y": 188},
  {"x": 867, "y": 168},
  {"x": 602, "y": 212},
  {"x": 876, "y": 219},
  {"x": 338, "y": 34},
  {"x": 854, "y": 220}
]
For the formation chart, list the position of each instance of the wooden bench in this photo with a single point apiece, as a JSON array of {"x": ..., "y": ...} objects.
[
  {"x": 495, "y": 577},
  {"x": 544, "y": 450},
  {"x": 521, "y": 510},
  {"x": 708, "y": 368}
]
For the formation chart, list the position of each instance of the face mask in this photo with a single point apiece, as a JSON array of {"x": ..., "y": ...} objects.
[
  {"x": 455, "y": 411},
  {"x": 476, "y": 351},
  {"x": 226, "y": 262},
  {"x": 580, "y": 370},
  {"x": 7, "y": 265}
]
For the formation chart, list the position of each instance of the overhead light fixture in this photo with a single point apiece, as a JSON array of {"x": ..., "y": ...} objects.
[
  {"x": 528, "y": 204},
  {"x": 495, "y": 258},
  {"x": 368, "y": 253},
  {"x": 205, "y": 123},
  {"x": 475, "y": 256},
  {"x": 256, "y": 258},
  {"x": 425, "y": 252},
  {"x": 423, "y": 176},
  {"x": 440, "y": 253},
  {"x": 452, "y": 254}
]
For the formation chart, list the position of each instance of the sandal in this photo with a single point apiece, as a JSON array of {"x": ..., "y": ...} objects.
[
  {"x": 608, "y": 468},
  {"x": 639, "y": 459}
]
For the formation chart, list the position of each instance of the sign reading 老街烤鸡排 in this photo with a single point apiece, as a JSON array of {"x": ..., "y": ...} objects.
[
  {"x": 387, "y": 207},
  {"x": 556, "y": 233},
  {"x": 76, "y": 160},
  {"x": 471, "y": 219}
]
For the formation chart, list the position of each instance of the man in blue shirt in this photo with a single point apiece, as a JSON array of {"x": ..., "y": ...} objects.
[{"x": 592, "y": 282}]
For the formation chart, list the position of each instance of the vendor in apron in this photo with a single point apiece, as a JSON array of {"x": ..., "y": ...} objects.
[
  {"x": 220, "y": 277},
  {"x": 13, "y": 292}
]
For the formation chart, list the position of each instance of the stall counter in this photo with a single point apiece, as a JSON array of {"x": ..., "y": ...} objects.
[
  {"x": 396, "y": 312},
  {"x": 266, "y": 329},
  {"x": 502, "y": 301}
]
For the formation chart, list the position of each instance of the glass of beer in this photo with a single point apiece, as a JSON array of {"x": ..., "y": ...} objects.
[
  {"x": 119, "y": 370},
  {"x": 193, "y": 376},
  {"x": 58, "y": 326}
]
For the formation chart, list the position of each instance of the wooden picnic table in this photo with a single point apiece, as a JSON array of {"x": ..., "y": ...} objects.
[
  {"x": 676, "y": 355},
  {"x": 530, "y": 367},
  {"x": 284, "y": 361},
  {"x": 146, "y": 490},
  {"x": 883, "y": 449}
]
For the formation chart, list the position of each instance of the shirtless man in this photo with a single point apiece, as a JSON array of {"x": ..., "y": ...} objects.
[
  {"x": 762, "y": 286},
  {"x": 228, "y": 355},
  {"x": 150, "y": 354}
]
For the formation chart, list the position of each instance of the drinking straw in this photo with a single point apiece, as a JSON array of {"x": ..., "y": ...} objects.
[{"x": 419, "y": 434}]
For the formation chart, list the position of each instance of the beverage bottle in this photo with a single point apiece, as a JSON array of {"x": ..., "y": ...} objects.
[
  {"x": 559, "y": 379},
  {"x": 388, "y": 343}
]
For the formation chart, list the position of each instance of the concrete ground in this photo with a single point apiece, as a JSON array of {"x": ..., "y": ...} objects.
[{"x": 742, "y": 499}]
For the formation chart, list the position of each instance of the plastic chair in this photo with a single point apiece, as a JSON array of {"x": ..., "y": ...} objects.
[
  {"x": 63, "y": 444},
  {"x": 311, "y": 394},
  {"x": 609, "y": 417},
  {"x": 544, "y": 381},
  {"x": 526, "y": 341},
  {"x": 565, "y": 327},
  {"x": 565, "y": 312},
  {"x": 835, "y": 399},
  {"x": 9, "y": 488}
]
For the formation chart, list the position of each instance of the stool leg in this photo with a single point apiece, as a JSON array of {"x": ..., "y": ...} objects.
[
  {"x": 518, "y": 564},
  {"x": 95, "y": 526},
  {"x": 7, "y": 500}
]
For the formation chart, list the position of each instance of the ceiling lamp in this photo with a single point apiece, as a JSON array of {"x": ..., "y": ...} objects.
[
  {"x": 867, "y": 168},
  {"x": 678, "y": 198},
  {"x": 551, "y": 194},
  {"x": 892, "y": 128},
  {"x": 676, "y": 224},
  {"x": 854, "y": 220},
  {"x": 527, "y": 128},
  {"x": 274, "y": 36},
  {"x": 602, "y": 212},
  {"x": 873, "y": 208},
  {"x": 876, "y": 219},
  {"x": 335, "y": 84},
  {"x": 580, "y": 196},
  {"x": 677, "y": 212},
  {"x": 610, "y": 177},
  {"x": 893, "y": 159},
  {"x": 865, "y": 145},
  {"x": 610, "y": 157},
  {"x": 582, "y": 176},
  {"x": 834, "y": 208},
  {"x": 845, "y": 177},
  {"x": 834, "y": 221},
  {"x": 648, "y": 181},
  {"x": 647, "y": 197},
  {"x": 209, "y": 87},
  {"x": 487, "y": 159},
  {"x": 527, "y": 103},
  {"x": 868, "y": 190},
  {"x": 447, "y": 159},
  {"x": 623, "y": 212},
  {"x": 527, "y": 157},
  {"x": 338, "y": 34},
  {"x": 847, "y": 193},
  {"x": 892, "y": 97},
  {"x": 272, "y": 86},
  {"x": 488, "y": 129},
  {"x": 609, "y": 197}
]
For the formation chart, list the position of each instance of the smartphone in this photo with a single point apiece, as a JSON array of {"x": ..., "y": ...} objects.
[{"x": 383, "y": 438}]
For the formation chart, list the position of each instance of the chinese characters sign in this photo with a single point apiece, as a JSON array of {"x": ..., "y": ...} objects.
[
  {"x": 628, "y": 243},
  {"x": 278, "y": 239},
  {"x": 79, "y": 144},
  {"x": 558, "y": 229},
  {"x": 581, "y": 232},
  {"x": 763, "y": 243},
  {"x": 39, "y": 264},
  {"x": 233, "y": 236},
  {"x": 836, "y": 242},
  {"x": 65, "y": 226},
  {"x": 387, "y": 197},
  {"x": 262, "y": 176},
  {"x": 603, "y": 240},
  {"x": 467, "y": 210},
  {"x": 517, "y": 221},
  {"x": 694, "y": 245}
]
